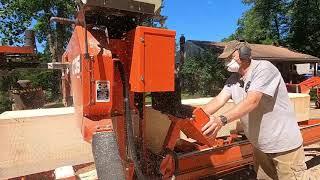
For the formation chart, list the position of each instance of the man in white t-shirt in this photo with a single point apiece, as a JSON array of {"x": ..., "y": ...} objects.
[{"x": 267, "y": 117}]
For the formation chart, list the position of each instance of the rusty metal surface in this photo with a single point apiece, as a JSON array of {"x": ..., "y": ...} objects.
[
  {"x": 16, "y": 50},
  {"x": 12, "y": 57},
  {"x": 38, "y": 144}
]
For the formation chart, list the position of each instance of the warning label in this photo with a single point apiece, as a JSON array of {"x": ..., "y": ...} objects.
[{"x": 103, "y": 91}]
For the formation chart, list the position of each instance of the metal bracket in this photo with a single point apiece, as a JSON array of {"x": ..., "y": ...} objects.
[{"x": 57, "y": 65}]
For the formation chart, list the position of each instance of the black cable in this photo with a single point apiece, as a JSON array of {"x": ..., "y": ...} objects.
[{"x": 128, "y": 118}]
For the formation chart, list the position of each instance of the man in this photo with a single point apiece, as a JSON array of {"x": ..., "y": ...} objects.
[{"x": 263, "y": 106}]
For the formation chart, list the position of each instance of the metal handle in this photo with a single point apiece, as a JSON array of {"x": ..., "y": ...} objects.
[{"x": 65, "y": 20}]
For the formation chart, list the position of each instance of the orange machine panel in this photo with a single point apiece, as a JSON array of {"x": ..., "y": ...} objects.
[
  {"x": 153, "y": 60},
  {"x": 92, "y": 80}
]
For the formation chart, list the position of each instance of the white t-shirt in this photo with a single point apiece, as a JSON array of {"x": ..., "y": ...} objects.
[{"x": 271, "y": 127}]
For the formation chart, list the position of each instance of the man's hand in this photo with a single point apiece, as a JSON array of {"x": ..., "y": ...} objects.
[{"x": 212, "y": 127}]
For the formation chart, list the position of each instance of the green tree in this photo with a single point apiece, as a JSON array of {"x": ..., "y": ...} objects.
[
  {"x": 304, "y": 34},
  {"x": 6, "y": 80},
  {"x": 203, "y": 74},
  {"x": 265, "y": 22},
  {"x": 291, "y": 23},
  {"x": 18, "y": 15}
]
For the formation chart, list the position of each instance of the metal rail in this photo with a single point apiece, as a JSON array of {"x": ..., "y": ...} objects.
[{"x": 215, "y": 161}]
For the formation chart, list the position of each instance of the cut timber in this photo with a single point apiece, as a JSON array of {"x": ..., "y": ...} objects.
[
  {"x": 36, "y": 113},
  {"x": 37, "y": 144},
  {"x": 301, "y": 105},
  {"x": 157, "y": 126}
]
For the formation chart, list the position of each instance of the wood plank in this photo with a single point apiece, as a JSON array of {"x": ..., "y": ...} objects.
[{"x": 37, "y": 144}]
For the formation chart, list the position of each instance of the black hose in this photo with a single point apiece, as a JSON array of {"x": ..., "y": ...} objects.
[{"x": 128, "y": 119}]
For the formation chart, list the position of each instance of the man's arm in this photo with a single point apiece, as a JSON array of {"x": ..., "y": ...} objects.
[
  {"x": 265, "y": 80},
  {"x": 216, "y": 103},
  {"x": 247, "y": 105}
]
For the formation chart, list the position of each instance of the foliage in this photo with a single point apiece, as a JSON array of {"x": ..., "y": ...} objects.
[
  {"x": 47, "y": 79},
  {"x": 5, "y": 82},
  {"x": 5, "y": 103},
  {"x": 18, "y": 15},
  {"x": 202, "y": 74},
  {"x": 290, "y": 23},
  {"x": 266, "y": 22},
  {"x": 304, "y": 32}
]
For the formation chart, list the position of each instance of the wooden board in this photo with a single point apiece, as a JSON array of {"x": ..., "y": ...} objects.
[
  {"x": 157, "y": 125},
  {"x": 301, "y": 105},
  {"x": 37, "y": 144}
]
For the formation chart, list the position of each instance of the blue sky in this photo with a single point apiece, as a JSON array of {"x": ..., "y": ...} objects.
[{"x": 210, "y": 20}]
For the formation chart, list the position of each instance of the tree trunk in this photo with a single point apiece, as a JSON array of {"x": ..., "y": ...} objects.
[
  {"x": 276, "y": 21},
  {"x": 60, "y": 34},
  {"x": 51, "y": 45},
  {"x": 50, "y": 34}
]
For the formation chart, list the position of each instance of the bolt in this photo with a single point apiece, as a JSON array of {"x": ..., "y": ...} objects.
[{"x": 142, "y": 39}]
